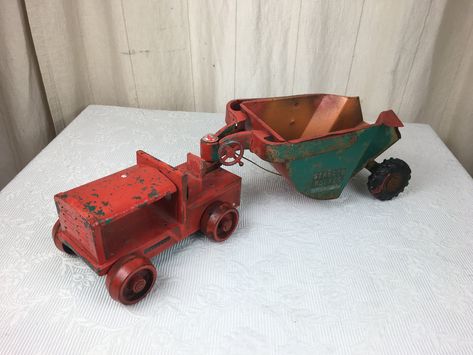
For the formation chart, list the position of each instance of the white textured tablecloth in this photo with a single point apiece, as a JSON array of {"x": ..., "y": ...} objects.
[{"x": 299, "y": 276}]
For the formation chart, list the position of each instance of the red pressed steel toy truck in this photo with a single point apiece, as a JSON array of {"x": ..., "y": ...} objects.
[
  {"x": 316, "y": 141},
  {"x": 118, "y": 222}
]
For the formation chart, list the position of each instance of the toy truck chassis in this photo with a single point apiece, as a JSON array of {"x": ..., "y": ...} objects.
[{"x": 118, "y": 222}]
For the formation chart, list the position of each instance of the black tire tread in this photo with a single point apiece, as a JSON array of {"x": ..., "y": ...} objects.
[{"x": 381, "y": 171}]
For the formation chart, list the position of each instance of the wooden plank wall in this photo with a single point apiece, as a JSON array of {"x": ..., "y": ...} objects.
[{"x": 408, "y": 55}]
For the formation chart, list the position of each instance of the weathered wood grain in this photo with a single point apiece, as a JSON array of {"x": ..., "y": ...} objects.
[
  {"x": 388, "y": 37},
  {"x": 212, "y": 35},
  {"x": 159, "y": 47},
  {"x": 266, "y": 45},
  {"x": 326, "y": 42}
]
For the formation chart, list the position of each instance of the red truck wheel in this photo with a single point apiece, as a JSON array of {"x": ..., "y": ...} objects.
[
  {"x": 130, "y": 279},
  {"x": 219, "y": 221},
  {"x": 58, "y": 242}
]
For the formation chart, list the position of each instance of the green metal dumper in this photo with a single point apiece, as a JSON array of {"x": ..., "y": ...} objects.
[{"x": 317, "y": 141}]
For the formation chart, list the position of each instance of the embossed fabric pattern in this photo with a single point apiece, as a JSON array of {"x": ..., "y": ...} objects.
[{"x": 353, "y": 275}]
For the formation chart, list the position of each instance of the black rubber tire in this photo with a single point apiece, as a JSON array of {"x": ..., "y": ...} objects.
[{"x": 389, "y": 178}]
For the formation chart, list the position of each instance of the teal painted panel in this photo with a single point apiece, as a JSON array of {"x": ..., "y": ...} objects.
[{"x": 321, "y": 168}]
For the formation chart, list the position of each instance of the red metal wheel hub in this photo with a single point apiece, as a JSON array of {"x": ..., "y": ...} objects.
[
  {"x": 219, "y": 221},
  {"x": 130, "y": 279}
]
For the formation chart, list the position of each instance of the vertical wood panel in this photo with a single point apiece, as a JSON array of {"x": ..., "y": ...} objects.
[
  {"x": 434, "y": 72},
  {"x": 327, "y": 36},
  {"x": 158, "y": 35},
  {"x": 459, "y": 113},
  {"x": 212, "y": 34},
  {"x": 103, "y": 40},
  {"x": 266, "y": 46},
  {"x": 387, "y": 40},
  {"x": 78, "y": 46},
  {"x": 444, "y": 97},
  {"x": 61, "y": 59}
]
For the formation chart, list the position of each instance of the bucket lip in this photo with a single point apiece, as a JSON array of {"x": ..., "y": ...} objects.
[
  {"x": 289, "y": 97},
  {"x": 277, "y": 136}
]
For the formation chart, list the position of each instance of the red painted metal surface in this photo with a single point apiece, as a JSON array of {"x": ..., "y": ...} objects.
[
  {"x": 219, "y": 221},
  {"x": 130, "y": 279},
  {"x": 118, "y": 222}
]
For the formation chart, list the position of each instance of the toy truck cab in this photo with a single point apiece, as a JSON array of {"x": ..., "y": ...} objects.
[{"x": 118, "y": 222}]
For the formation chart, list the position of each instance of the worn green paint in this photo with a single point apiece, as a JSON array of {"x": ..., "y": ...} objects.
[
  {"x": 321, "y": 168},
  {"x": 153, "y": 193},
  {"x": 141, "y": 205},
  {"x": 215, "y": 156},
  {"x": 230, "y": 129},
  {"x": 214, "y": 153},
  {"x": 91, "y": 208},
  {"x": 95, "y": 195}
]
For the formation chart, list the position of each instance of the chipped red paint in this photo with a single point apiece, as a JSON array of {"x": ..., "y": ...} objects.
[{"x": 141, "y": 210}]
